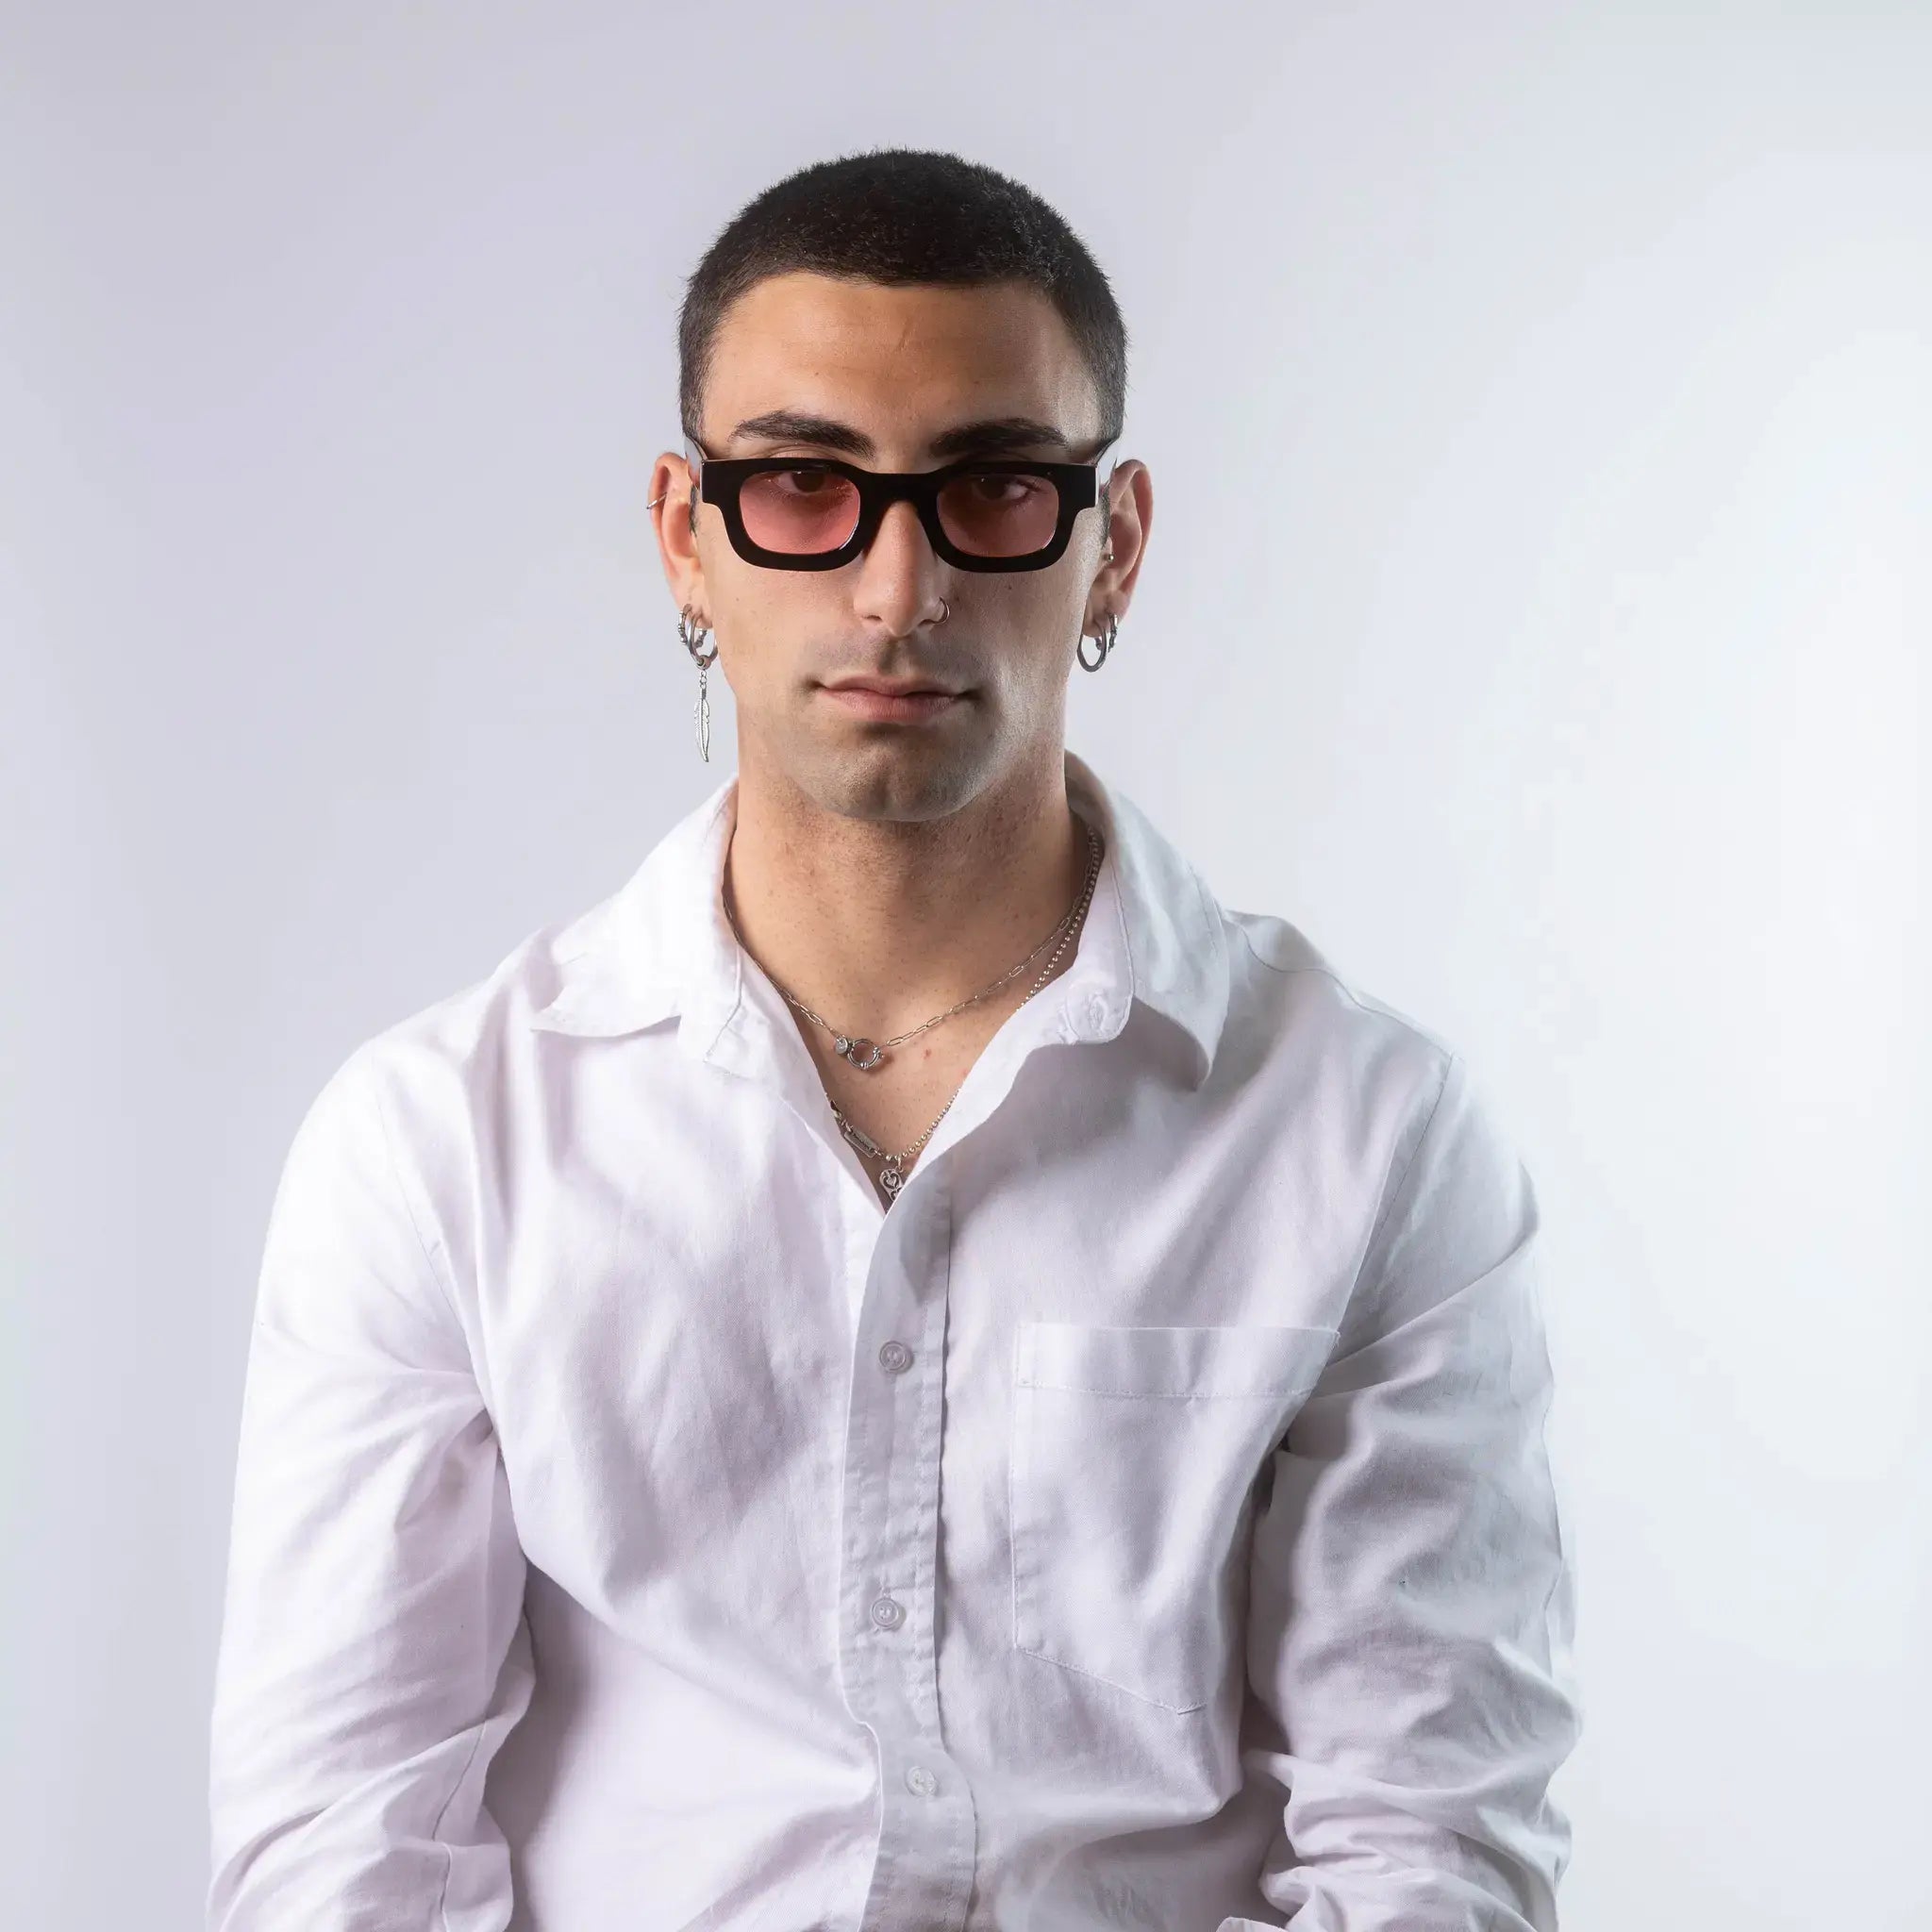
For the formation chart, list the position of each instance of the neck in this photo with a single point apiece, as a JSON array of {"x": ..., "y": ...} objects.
[{"x": 879, "y": 924}]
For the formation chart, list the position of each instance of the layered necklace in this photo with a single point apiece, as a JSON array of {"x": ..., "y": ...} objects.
[{"x": 869, "y": 1055}]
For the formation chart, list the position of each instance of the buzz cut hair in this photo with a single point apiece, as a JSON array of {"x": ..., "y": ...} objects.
[{"x": 903, "y": 216}]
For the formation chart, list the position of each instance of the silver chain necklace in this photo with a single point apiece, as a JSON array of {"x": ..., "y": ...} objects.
[{"x": 892, "y": 1172}]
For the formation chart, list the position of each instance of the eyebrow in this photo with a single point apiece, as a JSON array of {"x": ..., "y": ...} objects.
[{"x": 990, "y": 436}]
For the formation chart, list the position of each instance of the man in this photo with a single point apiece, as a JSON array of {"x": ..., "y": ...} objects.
[{"x": 909, "y": 1370}]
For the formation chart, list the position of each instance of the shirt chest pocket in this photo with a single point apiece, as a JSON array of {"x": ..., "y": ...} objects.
[{"x": 1133, "y": 1452}]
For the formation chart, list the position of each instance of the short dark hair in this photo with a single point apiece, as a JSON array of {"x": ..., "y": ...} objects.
[{"x": 900, "y": 216}]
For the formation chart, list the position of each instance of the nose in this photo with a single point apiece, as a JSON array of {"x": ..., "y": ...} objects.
[{"x": 900, "y": 577}]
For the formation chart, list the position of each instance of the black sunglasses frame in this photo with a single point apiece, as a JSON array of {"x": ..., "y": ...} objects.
[{"x": 720, "y": 479}]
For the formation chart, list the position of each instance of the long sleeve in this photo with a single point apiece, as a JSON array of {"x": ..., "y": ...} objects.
[
  {"x": 372, "y": 1655},
  {"x": 1411, "y": 1595}
]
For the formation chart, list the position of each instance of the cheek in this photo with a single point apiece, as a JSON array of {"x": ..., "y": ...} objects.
[
  {"x": 1033, "y": 637},
  {"x": 762, "y": 639}
]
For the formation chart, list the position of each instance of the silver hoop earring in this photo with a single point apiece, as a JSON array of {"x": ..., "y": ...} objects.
[
  {"x": 703, "y": 646},
  {"x": 1104, "y": 638}
]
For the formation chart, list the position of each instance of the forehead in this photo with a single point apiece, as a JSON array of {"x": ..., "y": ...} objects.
[{"x": 911, "y": 357}]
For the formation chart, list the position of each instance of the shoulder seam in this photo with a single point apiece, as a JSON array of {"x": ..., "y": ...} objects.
[
  {"x": 430, "y": 1250},
  {"x": 1340, "y": 985},
  {"x": 1362, "y": 1003},
  {"x": 1392, "y": 1191},
  {"x": 1286, "y": 971}
]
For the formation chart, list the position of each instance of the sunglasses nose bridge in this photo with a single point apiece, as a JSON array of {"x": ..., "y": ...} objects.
[
  {"x": 901, "y": 573},
  {"x": 898, "y": 507}
]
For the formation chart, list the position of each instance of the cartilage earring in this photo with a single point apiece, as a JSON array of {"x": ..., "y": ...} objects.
[
  {"x": 703, "y": 646},
  {"x": 1110, "y": 630}
]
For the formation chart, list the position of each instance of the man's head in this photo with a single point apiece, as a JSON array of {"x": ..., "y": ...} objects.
[{"x": 872, "y": 309}]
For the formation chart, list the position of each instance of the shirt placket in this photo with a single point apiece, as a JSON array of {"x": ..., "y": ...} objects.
[
  {"x": 924, "y": 1867},
  {"x": 923, "y": 1872}
]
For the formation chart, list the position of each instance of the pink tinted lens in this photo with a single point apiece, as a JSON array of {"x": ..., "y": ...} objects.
[
  {"x": 800, "y": 512},
  {"x": 995, "y": 514}
]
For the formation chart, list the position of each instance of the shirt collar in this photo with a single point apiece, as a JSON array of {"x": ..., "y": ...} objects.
[{"x": 660, "y": 945}]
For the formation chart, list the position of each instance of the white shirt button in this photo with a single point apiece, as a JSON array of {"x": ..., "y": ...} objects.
[
  {"x": 888, "y": 1613},
  {"x": 920, "y": 1780},
  {"x": 895, "y": 1358}
]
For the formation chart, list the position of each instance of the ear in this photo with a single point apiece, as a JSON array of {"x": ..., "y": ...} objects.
[
  {"x": 674, "y": 513},
  {"x": 1130, "y": 516}
]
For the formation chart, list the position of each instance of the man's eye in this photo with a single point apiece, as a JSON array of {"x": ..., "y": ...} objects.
[{"x": 1002, "y": 490}]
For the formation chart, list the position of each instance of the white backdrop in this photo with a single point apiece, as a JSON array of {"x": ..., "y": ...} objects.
[{"x": 1538, "y": 401}]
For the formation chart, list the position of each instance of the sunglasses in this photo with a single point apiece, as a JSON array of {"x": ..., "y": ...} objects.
[{"x": 986, "y": 513}]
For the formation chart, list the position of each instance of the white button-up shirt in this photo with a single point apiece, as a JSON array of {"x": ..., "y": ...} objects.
[{"x": 1144, "y": 1522}]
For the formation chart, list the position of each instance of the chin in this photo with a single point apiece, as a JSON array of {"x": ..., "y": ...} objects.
[{"x": 892, "y": 780}]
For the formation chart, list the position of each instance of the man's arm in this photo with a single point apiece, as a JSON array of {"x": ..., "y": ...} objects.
[
  {"x": 1411, "y": 1610},
  {"x": 375, "y": 1580}
]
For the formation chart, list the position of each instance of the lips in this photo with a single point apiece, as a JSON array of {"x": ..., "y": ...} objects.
[
  {"x": 887, "y": 688},
  {"x": 905, "y": 705}
]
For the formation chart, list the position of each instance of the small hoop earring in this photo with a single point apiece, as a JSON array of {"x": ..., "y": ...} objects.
[
  {"x": 1104, "y": 638},
  {"x": 703, "y": 646}
]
